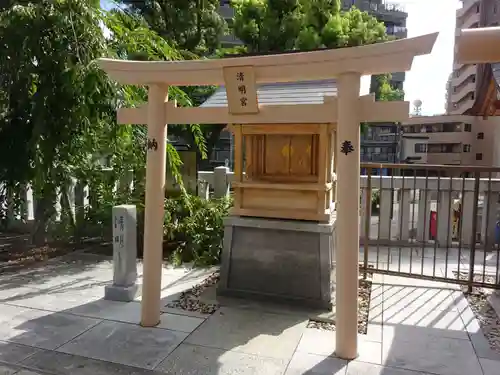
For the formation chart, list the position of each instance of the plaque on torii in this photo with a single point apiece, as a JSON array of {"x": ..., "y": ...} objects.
[{"x": 341, "y": 115}]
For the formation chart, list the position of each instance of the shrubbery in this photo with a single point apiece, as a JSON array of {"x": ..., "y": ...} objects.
[{"x": 193, "y": 227}]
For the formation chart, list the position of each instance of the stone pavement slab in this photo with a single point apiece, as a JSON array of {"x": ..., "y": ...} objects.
[
  {"x": 199, "y": 360},
  {"x": 128, "y": 344},
  {"x": 323, "y": 343},
  {"x": 362, "y": 368},
  {"x": 180, "y": 323},
  {"x": 130, "y": 312},
  {"x": 251, "y": 332},
  {"x": 60, "y": 298},
  {"x": 8, "y": 369},
  {"x": 176, "y": 281},
  {"x": 11, "y": 293},
  {"x": 67, "y": 364},
  {"x": 14, "y": 353},
  {"x": 490, "y": 367},
  {"x": 305, "y": 363},
  {"x": 39, "y": 328},
  {"x": 430, "y": 353}
]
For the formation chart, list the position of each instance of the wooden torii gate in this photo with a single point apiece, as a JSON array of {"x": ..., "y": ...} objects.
[{"x": 347, "y": 110}]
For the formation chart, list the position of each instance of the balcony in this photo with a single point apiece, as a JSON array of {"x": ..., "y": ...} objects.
[
  {"x": 467, "y": 5},
  {"x": 462, "y": 106},
  {"x": 379, "y": 158},
  {"x": 464, "y": 73},
  {"x": 450, "y": 137},
  {"x": 398, "y": 31},
  {"x": 469, "y": 22},
  {"x": 384, "y": 7},
  {"x": 444, "y": 158},
  {"x": 461, "y": 91}
]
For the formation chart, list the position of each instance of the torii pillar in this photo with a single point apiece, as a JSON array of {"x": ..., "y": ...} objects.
[
  {"x": 347, "y": 225},
  {"x": 154, "y": 205}
]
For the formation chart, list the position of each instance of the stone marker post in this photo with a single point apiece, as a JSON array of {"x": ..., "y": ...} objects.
[{"x": 124, "y": 287}]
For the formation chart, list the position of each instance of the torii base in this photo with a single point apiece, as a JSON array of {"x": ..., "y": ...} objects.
[{"x": 283, "y": 261}]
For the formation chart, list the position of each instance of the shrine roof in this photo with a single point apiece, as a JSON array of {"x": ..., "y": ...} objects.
[{"x": 305, "y": 92}]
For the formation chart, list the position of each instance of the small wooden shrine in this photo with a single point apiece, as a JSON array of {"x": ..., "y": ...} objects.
[
  {"x": 282, "y": 170},
  {"x": 288, "y": 171}
]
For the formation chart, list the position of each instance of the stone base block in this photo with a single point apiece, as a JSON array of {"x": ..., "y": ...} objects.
[
  {"x": 121, "y": 293},
  {"x": 278, "y": 260}
]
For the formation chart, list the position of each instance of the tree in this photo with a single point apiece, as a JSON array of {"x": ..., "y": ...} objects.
[
  {"x": 191, "y": 25},
  {"x": 56, "y": 95},
  {"x": 282, "y": 25},
  {"x": 58, "y": 109},
  {"x": 383, "y": 90}
]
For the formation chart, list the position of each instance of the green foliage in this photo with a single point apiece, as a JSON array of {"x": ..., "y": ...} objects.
[
  {"x": 196, "y": 227},
  {"x": 58, "y": 109},
  {"x": 272, "y": 25},
  {"x": 383, "y": 90},
  {"x": 192, "y": 26},
  {"x": 193, "y": 227},
  {"x": 55, "y": 99},
  {"x": 375, "y": 198}
]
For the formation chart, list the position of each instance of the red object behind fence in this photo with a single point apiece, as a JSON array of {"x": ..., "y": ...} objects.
[{"x": 433, "y": 225}]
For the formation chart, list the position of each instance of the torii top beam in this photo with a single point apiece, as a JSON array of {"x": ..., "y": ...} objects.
[
  {"x": 393, "y": 56},
  {"x": 476, "y": 46}
]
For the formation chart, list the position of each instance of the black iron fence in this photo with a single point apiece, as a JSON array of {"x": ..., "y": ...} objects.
[{"x": 432, "y": 222}]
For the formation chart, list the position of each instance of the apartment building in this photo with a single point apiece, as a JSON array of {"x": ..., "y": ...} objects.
[
  {"x": 380, "y": 144},
  {"x": 450, "y": 140},
  {"x": 467, "y": 79}
]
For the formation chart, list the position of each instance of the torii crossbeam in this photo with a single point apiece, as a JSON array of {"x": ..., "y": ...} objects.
[
  {"x": 347, "y": 110},
  {"x": 476, "y": 46}
]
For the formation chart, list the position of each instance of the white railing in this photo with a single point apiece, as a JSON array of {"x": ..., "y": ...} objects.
[{"x": 406, "y": 204}]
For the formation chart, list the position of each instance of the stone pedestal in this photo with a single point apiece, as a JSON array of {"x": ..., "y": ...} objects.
[
  {"x": 124, "y": 287},
  {"x": 278, "y": 260}
]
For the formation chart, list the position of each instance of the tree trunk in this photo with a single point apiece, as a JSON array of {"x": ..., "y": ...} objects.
[{"x": 44, "y": 211}]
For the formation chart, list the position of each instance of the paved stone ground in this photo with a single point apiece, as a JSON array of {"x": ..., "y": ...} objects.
[{"x": 53, "y": 321}]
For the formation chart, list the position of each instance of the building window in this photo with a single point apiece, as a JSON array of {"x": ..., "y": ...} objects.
[
  {"x": 466, "y": 148},
  {"x": 473, "y": 79},
  {"x": 472, "y": 96},
  {"x": 479, "y": 156},
  {"x": 494, "y": 9},
  {"x": 420, "y": 147},
  {"x": 477, "y": 8},
  {"x": 467, "y": 127},
  {"x": 480, "y": 135}
]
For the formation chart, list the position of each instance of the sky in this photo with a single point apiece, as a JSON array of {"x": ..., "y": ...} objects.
[{"x": 427, "y": 79}]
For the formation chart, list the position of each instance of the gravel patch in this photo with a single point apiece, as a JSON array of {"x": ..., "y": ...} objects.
[
  {"x": 189, "y": 300},
  {"x": 364, "y": 296},
  {"x": 484, "y": 312}
]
